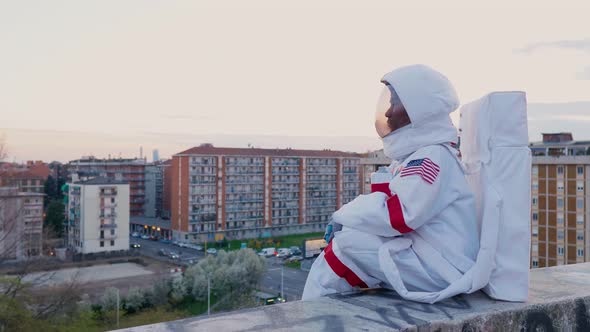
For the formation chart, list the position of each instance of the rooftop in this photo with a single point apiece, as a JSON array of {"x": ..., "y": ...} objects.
[
  {"x": 559, "y": 300},
  {"x": 208, "y": 149},
  {"x": 100, "y": 181}
]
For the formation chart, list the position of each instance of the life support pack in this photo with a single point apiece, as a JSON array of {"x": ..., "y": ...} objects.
[{"x": 497, "y": 160}]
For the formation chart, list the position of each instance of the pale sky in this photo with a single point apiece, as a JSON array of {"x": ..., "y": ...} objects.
[{"x": 99, "y": 77}]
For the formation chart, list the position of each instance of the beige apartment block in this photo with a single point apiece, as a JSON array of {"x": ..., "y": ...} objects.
[{"x": 98, "y": 216}]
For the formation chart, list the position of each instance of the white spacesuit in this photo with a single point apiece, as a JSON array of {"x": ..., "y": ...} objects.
[{"x": 417, "y": 234}]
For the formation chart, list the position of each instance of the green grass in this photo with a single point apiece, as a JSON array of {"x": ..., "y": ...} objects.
[
  {"x": 294, "y": 265},
  {"x": 279, "y": 241}
]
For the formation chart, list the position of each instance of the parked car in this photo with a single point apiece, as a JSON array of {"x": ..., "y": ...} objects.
[
  {"x": 165, "y": 241},
  {"x": 145, "y": 237},
  {"x": 134, "y": 245},
  {"x": 295, "y": 258},
  {"x": 163, "y": 252},
  {"x": 283, "y": 253},
  {"x": 154, "y": 238},
  {"x": 295, "y": 251},
  {"x": 212, "y": 251},
  {"x": 198, "y": 247},
  {"x": 135, "y": 234},
  {"x": 173, "y": 255}
]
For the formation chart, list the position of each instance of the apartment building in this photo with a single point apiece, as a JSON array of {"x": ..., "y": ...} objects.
[
  {"x": 560, "y": 226},
  {"x": 21, "y": 224},
  {"x": 131, "y": 171},
  {"x": 98, "y": 216},
  {"x": 370, "y": 163},
  {"x": 154, "y": 189},
  {"x": 27, "y": 177},
  {"x": 244, "y": 193}
]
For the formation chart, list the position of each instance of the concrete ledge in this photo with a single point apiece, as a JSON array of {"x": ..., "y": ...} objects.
[{"x": 559, "y": 300}]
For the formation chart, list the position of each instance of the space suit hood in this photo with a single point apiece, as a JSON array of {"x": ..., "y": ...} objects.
[{"x": 429, "y": 98}]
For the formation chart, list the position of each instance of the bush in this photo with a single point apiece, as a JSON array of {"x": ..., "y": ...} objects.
[
  {"x": 135, "y": 300},
  {"x": 108, "y": 300}
]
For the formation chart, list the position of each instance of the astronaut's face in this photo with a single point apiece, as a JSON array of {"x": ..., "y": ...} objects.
[{"x": 391, "y": 113}]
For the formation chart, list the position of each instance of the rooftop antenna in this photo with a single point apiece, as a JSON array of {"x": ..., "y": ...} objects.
[{"x": 140, "y": 152}]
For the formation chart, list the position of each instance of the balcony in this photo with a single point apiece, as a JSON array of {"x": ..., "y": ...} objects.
[
  {"x": 108, "y": 226},
  {"x": 108, "y": 216},
  {"x": 108, "y": 193},
  {"x": 108, "y": 205}
]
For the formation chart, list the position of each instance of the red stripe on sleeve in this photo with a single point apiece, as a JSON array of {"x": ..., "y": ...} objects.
[
  {"x": 382, "y": 187},
  {"x": 342, "y": 270},
  {"x": 396, "y": 216}
]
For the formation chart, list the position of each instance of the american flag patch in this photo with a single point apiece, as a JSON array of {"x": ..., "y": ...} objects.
[{"x": 426, "y": 168}]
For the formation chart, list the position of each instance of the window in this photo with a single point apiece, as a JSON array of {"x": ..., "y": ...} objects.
[
  {"x": 580, "y": 186},
  {"x": 580, "y": 170},
  {"x": 560, "y": 186},
  {"x": 112, "y": 232},
  {"x": 535, "y": 216},
  {"x": 560, "y": 170},
  {"x": 102, "y": 243},
  {"x": 580, "y": 203},
  {"x": 535, "y": 201},
  {"x": 580, "y": 252},
  {"x": 580, "y": 236},
  {"x": 560, "y": 251},
  {"x": 535, "y": 231},
  {"x": 560, "y": 234},
  {"x": 535, "y": 185},
  {"x": 102, "y": 234},
  {"x": 112, "y": 243},
  {"x": 535, "y": 247},
  {"x": 580, "y": 219},
  {"x": 535, "y": 263},
  {"x": 535, "y": 170},
  {"x": 560, "y": 203}
]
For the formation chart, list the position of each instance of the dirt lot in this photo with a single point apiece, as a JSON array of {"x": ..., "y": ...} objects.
[{"x": 102, "y": 274}]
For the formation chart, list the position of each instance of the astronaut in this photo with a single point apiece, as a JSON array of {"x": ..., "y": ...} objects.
[{"x": 416, "y": 233}]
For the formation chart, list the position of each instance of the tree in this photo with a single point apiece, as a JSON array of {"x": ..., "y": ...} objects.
[
  {"x": 235, "y": 273},
  {"x": 54, "y": 217}
]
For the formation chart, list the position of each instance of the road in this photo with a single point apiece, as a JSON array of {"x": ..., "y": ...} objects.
[{"x": 293, "y": 279}]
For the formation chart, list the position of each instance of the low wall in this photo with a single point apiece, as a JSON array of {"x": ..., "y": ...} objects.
[{"x": 559, "y": 300}]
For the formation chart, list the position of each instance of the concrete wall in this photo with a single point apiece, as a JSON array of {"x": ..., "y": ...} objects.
[{"x": 559, "y": 301}]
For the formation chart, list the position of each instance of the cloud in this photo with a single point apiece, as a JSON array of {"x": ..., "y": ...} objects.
[{"x": 582, "y": 45}]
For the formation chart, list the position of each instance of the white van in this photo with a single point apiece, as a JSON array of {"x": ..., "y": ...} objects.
[{"x": 267, "y": 252}]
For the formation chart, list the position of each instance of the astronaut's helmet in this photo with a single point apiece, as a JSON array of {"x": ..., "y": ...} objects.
[{"x": 391, "y": 113}]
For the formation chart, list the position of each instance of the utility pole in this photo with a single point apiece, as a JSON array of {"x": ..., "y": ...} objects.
[
  {"x": 117, "y": 307},
  {"x": 282, "y": 294},
  {"x": 208, "y": 295}
]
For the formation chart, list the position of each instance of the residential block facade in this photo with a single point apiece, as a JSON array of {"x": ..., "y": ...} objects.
[
  {"x": 131, "y": 171},
  {"x": 244, "y": 193},
  {"x": 98, "y": 216},
  {"x": 21, "y": 224},
  {"x": 560, "y": 218}
]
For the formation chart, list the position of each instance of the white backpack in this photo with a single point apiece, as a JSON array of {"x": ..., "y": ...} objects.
[{"x": 495, "y": 153}]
